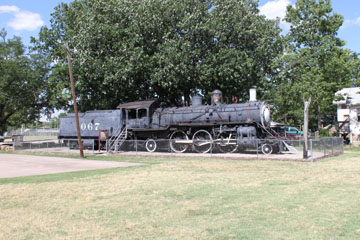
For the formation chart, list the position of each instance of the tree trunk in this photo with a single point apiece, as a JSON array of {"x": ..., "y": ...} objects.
[
  {"x": 319, "y": 118},
  {"x": 306, "y": 121},
  {"x": 186, "y": 97},
  {"x": 2, "y": 128}
]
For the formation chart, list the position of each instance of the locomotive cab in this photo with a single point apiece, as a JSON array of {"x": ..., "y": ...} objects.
[{"x": 138, "y": 114}]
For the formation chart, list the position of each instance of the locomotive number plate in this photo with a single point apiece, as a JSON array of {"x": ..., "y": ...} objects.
[{"x": 90, "y": 126}]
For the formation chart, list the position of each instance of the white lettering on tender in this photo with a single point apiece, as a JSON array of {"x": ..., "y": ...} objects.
[{"x": 90, "y": 126}]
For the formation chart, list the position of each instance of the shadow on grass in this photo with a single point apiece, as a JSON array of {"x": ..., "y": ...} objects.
[
  {"x": 115, "y": 158},
  {"x": 68, "y": 176}
]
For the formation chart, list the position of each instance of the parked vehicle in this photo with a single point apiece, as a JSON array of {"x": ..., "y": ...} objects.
[{"x": 288, "y": 132}]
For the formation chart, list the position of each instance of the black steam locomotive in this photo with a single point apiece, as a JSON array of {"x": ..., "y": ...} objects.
[{"x": 200, "y": 128}]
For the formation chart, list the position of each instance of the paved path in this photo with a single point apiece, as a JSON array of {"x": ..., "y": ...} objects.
[{"x": 14, "y": 165}]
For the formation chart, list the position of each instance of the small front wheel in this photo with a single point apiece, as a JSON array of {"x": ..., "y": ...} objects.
[{"x": 266, "y": 148}]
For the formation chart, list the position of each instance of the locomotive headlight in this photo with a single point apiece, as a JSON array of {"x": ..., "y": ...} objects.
[{"x": 265, "y": 115}]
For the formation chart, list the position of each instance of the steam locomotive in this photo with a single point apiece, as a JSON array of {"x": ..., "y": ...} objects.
[{"x": 200, "y": 128}]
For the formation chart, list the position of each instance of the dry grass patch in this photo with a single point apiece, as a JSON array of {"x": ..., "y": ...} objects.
[{"x": 191, "y": 199}]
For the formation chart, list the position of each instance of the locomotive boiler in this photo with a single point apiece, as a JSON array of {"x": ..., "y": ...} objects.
[{"x": 200, "y": 128}]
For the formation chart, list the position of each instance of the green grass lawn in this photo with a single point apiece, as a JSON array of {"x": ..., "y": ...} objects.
[{"x": 179, "y": 198}]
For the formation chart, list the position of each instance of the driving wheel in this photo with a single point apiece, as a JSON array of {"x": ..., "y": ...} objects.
[
  {"x": 176, "y": 143},
  {"x": 202, "y": 141},
  {"x": 226, "y": 142}
]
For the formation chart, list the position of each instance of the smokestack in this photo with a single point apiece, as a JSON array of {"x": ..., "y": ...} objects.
[{"x": 252, "y": 94}]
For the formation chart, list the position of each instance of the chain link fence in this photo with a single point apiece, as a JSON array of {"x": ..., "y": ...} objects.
[
  {"x": 46, "y": 132},
  {"x": 289, "y": 149},
  {"x": 39, "y": 145}
]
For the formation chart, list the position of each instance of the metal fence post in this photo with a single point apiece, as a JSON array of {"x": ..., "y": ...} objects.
[
  {"x": 311, "y": 149},
  {"x": 168, "y": 146},
  {"x": 136, "y": 146}
]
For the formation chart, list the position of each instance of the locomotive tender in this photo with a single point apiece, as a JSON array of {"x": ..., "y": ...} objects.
[{"x": 198, "y": 127}]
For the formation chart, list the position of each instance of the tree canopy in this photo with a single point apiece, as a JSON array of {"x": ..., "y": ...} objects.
[
  {"x": 130, "y": 50},
  {"x": 314, "y": 63},
  {"x": 22, "y": 83}
]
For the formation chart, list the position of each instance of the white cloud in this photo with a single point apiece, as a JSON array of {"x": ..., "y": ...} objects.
[
  {"x": 25, "y": 20},
  {"x": 9, "y": 9},
  {"x": 22, "y": 20},
  {"x": 274, "y": 9},
  {"x": 350, "y": 23}
]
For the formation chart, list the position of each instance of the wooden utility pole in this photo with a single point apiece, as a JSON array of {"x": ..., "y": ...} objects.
[
  {"x": 306, "y": 127},
  {"x": 74, "y": 100}
]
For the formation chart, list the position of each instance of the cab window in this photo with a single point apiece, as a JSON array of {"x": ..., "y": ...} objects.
[
  {"x": 142, "y": 113},
  {"x": 132, "y": 114}
]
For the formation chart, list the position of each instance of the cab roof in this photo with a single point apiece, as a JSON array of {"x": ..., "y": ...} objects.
[{"x": 137, "y": 104}]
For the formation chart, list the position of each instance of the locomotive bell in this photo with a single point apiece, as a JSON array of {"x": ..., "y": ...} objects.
[{"x": 216, "y": 97}]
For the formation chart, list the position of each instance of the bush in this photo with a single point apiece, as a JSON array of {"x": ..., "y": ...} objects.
[{"x": 325, "y": 133}]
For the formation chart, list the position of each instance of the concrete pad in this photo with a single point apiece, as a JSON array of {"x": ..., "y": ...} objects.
[
  {"x": 249, "y": 155},
  {"x": 14, "y": 165}
]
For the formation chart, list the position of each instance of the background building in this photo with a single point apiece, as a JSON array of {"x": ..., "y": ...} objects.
[{"x": 348, "y": 113}]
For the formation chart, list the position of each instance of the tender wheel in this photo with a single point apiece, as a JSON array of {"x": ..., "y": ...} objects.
[
  {"x": 202, "y": 141},
  {"x": 226, "y": 142},
  {"x": 266, "y": 149},
  {"x": 178, "y": 147},
  {"x": 150, "y": 145}
]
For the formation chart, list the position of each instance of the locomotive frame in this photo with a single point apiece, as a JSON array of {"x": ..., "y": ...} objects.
[{"x": 201, "y": 128}]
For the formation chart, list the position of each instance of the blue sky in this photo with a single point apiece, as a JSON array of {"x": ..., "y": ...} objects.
[{"x": 24, "y": 17}]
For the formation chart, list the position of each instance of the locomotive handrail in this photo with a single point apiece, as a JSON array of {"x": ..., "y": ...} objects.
[{"x": 117, "y": 139}]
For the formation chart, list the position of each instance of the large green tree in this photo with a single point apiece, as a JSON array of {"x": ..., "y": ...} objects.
[
  {"x": 314, "y": 63},
  {"x": 130, "y": 50},
  {"x": 22, "y": 83}
]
